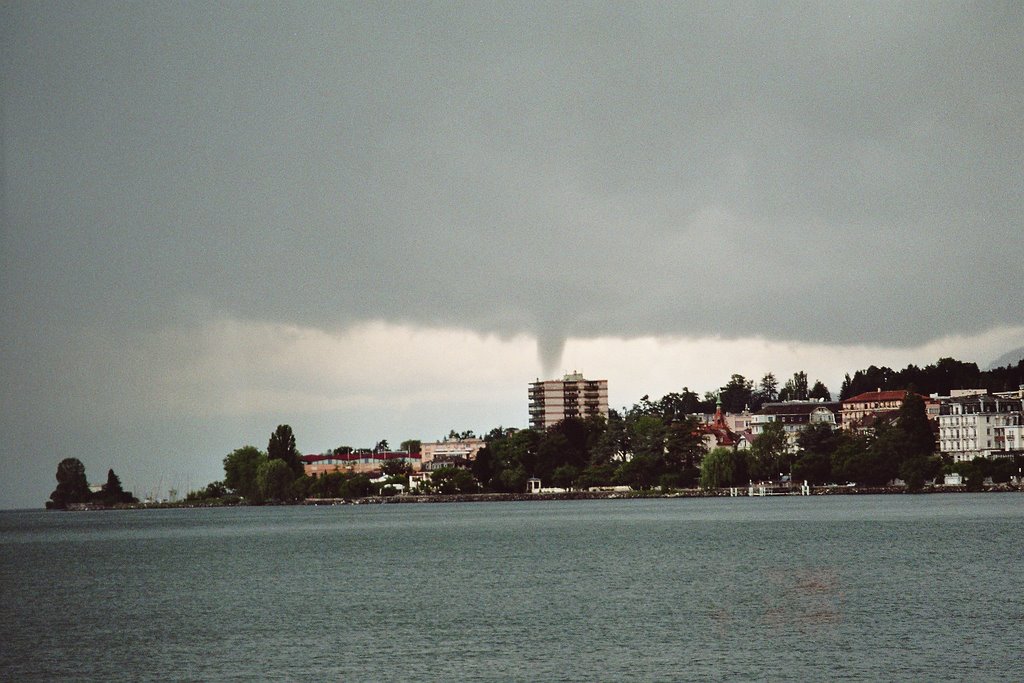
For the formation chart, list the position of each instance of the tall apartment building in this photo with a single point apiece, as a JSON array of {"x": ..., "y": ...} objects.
[{"x": 552, "y": 401}]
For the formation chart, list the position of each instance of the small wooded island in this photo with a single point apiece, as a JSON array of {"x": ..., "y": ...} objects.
[{"x": 73, "y": 489}]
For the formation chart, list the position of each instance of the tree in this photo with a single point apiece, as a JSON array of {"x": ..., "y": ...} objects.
[
  {"x": 819, "y": 439},
  {"x": 212, "y": 491},
  {"x": 684, "y": 444},
  {"x": 850, "y": 461},
  {"x": 769, "y": 454},
  {"x": 412, "y": 446},
  {"x": 812, "y": 467},
  {"x": 240, "y": 467},
  {"x": 796, "y": 388},
  {"x": 723, "y": 467},
  {"x": 356, "y": 486},
  {"x": 916, "y": 471},
  {"x": 913, "y": 423},
  {"x": 639, "y": 473},
  {"x": 565, "y": 476},
  {"x": 112, "y": 493},
  {"x": 451, "y": 480},
  {"x": 275, "y": 480},
  {"x": 596, "y": 475},
  {"x": 72, "y": 486},
  {"x": 816, "y": 444},
  {"x": 396, "y": 468},
  {"x": 282, "y": 447},
  {"x": 647, "y": 436},
  {"x": 737, "y": 394},
  {"x": 820, "y": 391},
  {"x": 382, "y": 446},
  {"x": 768, "y": 388}
]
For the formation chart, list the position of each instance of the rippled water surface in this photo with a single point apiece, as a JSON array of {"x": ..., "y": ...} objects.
[{"x": 855, "y": 588}]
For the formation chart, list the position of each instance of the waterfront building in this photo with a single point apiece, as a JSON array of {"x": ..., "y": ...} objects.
[
  {"x": 551, "y": 401},
  {"x": 860, "y": 412},
  {"x": 363, "y": 461},
  {"x": 981, "y": 426},
  {"x": 795, "y": 417},
  {"x": 451, "y": 448},
  {"x": 717, "y": 433}
]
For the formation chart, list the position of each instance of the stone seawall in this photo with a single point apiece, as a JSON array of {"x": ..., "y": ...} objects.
[
  {"x": 569, "y": 495},
  {"x": 609, "y": 495}
]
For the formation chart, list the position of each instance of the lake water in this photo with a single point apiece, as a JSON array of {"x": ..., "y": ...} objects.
[{"x": 822, "y": 588}]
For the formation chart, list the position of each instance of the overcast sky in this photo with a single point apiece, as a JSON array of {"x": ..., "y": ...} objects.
[{"x": 383, "y": 220}]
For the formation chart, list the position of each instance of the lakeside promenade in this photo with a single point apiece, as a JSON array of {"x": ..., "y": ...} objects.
[{"x": 405, "y": 499}]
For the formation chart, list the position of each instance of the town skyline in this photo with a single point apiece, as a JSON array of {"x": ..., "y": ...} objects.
[{"x": 379, "y": 221}]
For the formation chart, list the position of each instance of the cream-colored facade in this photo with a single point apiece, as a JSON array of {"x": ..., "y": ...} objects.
[
  {"x": 554, "y": 400},
  {"x": 980, "y": 427},
  {"x": 451, "y": 448}
]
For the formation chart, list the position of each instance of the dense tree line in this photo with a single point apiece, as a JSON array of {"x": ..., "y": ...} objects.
[
  {"x": 657, "y": 443},
  {"x": 938, "y": 378},
  {"x": 652, "y": 443},
  {"x": 73, "y": 488},
  {"x": 903, "y": 448}
]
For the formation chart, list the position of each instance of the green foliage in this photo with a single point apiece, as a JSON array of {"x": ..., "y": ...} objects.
[
  {"x": 215, "y": 490},
  {"x": 72, "y": 486},
  {"x": 452, "y": 480},
  {"x": 240, "y": 467},
  {"x": 396, "y": 468},
  {"x": 647, "y": 436},
  {"x": 596, "y": 475},
  {"x": 767, "y": 391},
  {"x": 819, "y": 439},
  {"x": 356, "y": 486},
  {"x": 282, "y": 447},
  {"x": 670, "y": 481},
  {"x": 915, "y": 471},
  {"x": 112, "y": 493},
  {"x": 737, "y": 394},
  {"x": 903, "y": 448},
  {"x": 684, "y": 445},
  {"x": 796, "y": 388},
  {"x": 769, "y": 454},
  {"x": 814, "y": 468},
  {"x": 918, "y": 440},
  {"x": 641, "y": 473},
  {"x": 723, "y": 467},
  {"x": 412, "y": 446},
  {"x": 565, "y": 476},
  {"x": 275, "y": 479},
  {"x": 940, "y": 378},
  {"x": 820, "y": 392}
]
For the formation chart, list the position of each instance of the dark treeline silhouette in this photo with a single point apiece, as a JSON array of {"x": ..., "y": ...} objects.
[
  {"x": 940, "y": 378},
  {"x": 73, "y": 488}
]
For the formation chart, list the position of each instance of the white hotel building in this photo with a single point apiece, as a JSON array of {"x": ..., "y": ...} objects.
[{"x": 981, "y": 426}]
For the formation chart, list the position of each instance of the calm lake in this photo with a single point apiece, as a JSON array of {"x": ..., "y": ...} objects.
[{"x": 824, "y": 588}]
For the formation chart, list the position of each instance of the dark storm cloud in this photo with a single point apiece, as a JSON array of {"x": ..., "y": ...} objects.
[{"x": 822, "y": 172}]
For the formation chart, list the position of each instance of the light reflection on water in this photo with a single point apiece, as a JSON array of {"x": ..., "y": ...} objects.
[{"x": 858, "y": 588}]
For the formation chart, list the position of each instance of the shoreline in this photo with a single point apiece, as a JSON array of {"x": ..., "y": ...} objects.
[{"x": 409, "y": 499}]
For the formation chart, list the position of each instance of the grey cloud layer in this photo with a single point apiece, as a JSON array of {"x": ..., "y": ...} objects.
[{"x": 802, "y": 171}]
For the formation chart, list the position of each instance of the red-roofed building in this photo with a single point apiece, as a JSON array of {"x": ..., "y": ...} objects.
[
  {"x": 717, "y": 433},
  {"x": 863, "y": 410}
]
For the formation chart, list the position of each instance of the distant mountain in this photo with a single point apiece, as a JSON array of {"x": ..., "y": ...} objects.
[{"x": 1011, "y": 358}]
